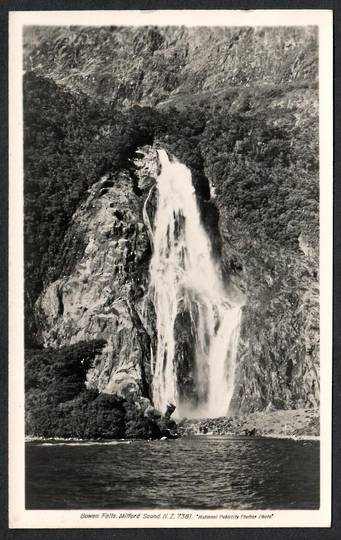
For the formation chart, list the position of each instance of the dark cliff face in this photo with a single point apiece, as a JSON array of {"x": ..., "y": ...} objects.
[
  {"x": 247, "y": 130},
  {"x": 279, "y": 346}
]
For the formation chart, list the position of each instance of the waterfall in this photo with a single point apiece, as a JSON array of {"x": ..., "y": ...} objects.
[{"x": 189, "y": 297}]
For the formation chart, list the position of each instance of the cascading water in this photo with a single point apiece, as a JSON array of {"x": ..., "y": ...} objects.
[{"x": 184, "y": 279}]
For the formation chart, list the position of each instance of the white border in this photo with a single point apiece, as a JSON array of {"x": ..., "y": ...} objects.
[{"x": 18, "y": 516}]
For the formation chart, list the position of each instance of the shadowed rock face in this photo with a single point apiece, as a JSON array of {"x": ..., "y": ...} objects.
[
  {"x": 185, "y": 356},
  {"x": 279, "y": 343}
]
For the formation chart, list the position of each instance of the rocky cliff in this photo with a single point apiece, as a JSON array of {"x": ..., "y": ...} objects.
[
  {"x": 240, "y": 108},
  {"x": 101, "y": 293}
]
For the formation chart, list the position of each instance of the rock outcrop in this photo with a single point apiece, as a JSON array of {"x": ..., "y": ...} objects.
[{"x": 102, "y": 295}]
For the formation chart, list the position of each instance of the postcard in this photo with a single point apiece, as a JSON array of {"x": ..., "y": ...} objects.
[{"x": 170, "y": 268}]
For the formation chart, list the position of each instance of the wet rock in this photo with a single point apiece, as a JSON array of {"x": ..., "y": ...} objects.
[
  {"x": 185, "y": 357},
  {"x": 147, "y": 423},
  {"x": 170, "y": 409}
]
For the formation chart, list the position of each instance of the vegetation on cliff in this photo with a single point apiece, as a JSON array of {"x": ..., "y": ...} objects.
[{"x": 245, "y": 121}]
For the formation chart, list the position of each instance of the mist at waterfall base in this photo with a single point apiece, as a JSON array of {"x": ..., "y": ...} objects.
[
  {"x": 186, "y": 286},
  {"x": 192, "y": 472}
]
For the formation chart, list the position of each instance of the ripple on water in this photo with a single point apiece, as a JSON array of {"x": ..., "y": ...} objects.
[{"x": 202, "y": 472}]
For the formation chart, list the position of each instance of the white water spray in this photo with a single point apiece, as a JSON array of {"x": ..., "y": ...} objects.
[{"x": 184, "y": 278}]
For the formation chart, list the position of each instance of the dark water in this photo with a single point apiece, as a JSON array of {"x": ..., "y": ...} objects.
[{"x": 199, "y": 472}]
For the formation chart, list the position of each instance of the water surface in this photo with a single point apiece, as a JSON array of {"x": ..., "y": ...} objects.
[{"x": 198, "y": 472}]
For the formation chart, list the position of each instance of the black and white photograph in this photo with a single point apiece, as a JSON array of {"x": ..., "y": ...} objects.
[{"x": 171, "y": 215}]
